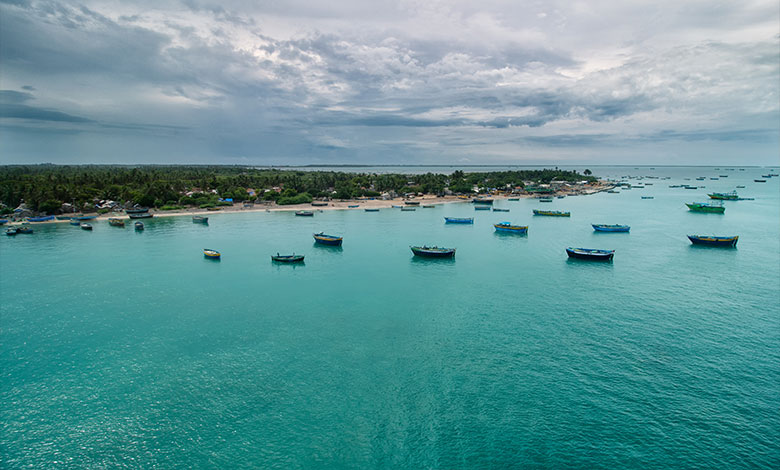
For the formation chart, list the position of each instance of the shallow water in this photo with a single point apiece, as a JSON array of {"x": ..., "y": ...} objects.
[{"x": 125, "y": 349}]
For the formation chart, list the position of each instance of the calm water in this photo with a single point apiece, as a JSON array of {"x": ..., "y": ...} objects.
[{"x": 124, "y": 349}]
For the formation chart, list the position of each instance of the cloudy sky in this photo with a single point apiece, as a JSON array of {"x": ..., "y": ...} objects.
[{"x": 390, "y": 81}]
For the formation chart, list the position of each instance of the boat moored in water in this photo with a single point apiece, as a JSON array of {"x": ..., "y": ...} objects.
[
  {"x": 211, "y": 254},
  {"x": 24, "y": 229},
  {"x": 498, "y": 209},
  {"x": 371, "y": 210},
  {"x": 432, "y": 251},
  {"x": 331, "y": 240},
  {"x": 199, "y": 219},
  {"x": 459, "y": 220},
  {"x": 293, "y": 258},
  {"x": 610, "y": 228},
  {"x": 714, "y": 241},
  {"x": 116, "y": 222},
  {"x": 304, "y": 213},
  {"x": 11, "y": 231},
  {"x": 704, "y": 207},
  {"x": 86, "y": 226},
  {"x": 507, "y": 227},
  {"x": 590, "y": 254},
  {"x": 552, "y": 213},
  {"x": 482, "y": 200},
  {"x": 139, "y": 226},
  {"x": 731, "y": 196}
]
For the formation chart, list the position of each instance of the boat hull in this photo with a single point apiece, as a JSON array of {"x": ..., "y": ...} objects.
[
  {"x": 329, "y": 240},
  {"x": 434, "y": 252},
  {"x": 611, "y": 228},
  {"x": 552, "y": 213},
  {"x": 457, "y": 220},
  {"x": 706, "y": 208},
  {"x": 726, "y": 242},
  {"x": 287, "y": 258},
  {"x": 519, "y": 229},
  {"x": 590, "y": 255}
]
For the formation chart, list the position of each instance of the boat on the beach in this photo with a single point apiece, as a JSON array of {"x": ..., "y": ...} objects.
[
  {"x": 139, "y": 226},
  {"x": 40, "y": 219},
  {"x": 11, "y": 231},
  {"x": 304, "y": 213},
  {"x": 138, "y": 213},
  {"x": 86, "y": 226},
  {"x": 319, "y": 204},
  {"x": 459, "y": 220},
  {"x": 116, "y": 222},
  {"x": 412, "y": 203},
  {"x": 352, "y": 206},
  {"x": 713, "y": 240},
  {"x": 705, "y": 207},
  {"x": 211, "y": 254},
  {"x": 86, "y": 217},
  {"x": 507, "y": 227},
  {"x": 331, "y": 240},
  {"x": 731, "y": 196},
  {"x": 590, "y": 254},
  {"x": 293, "y": 258},
  {"x": 371, "y": 210},
  {"x": 63, "y": 217},
  {"x": 3, "y": 221},
  {"x": 552, "y": 213},
  {"x": 513, "y": 199},
  {"x": 432, "y": 251},
  {"x": 498, "y": 209},
  {"x": 610, "y": 228}
]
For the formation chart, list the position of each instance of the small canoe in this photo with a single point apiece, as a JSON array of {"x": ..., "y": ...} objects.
[
  {"x": 199, "y": 219},
  {"x": 371, "y": 210},
  {"x": 590, "y": 254},
  {"x": 428, "y": 206},
  {"x": 86, "y": 226},
  {"x": 497, "y": 209},
  {"x": 211, "y": 254},
  {"x": 482, "y": 200},
  {"x": 293, "y": 258},
  {"x": 509, "y": 228},
  {"x": 610, "y": 228},
  {"x": 11, "y": 231},
  {"x": 24, "y": 229},
  {"x": 482, "y": 208},
  {"x": 513, "y": 199},
  {"x": 139, "y": 226},
  {"x": 760, "y": 181},
  {"x": 331, "y": 240},
  {"x": 552, "y": 213},
  {"x": 727, "y": 242},
  {"x": 740, "y": 187},
  {"x": 433, "y": 251},
  {"x": 459, "y": 220},
  {"x": 116, "y": 222},
  {"x": 648, "y": 197},
  {"x": 304, "y": 213},
  {"x": 408, "y": 209},
  {"x": 412, "y": 203},
  {"x": 353, "y": 206}
]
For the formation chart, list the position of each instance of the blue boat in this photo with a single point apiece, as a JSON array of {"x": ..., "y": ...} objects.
[
  {"x": 304, "y": 213},
  {"x": 3, "y": 221},
  {"x": 610, "y": 228},
  {"x": 86, "y": 217},
  {"x": 484, "y": 207},
  {"x": 433, "y": 251},
  {"x": 509, "y": 228},
  {"x": 11, "y": 231},
  {"x": 139, "y": 226},
  {"x": 371, "y": 210},
  {"x": 24, "y": 229},
  {"x": 40, "y": 219},
  {"x": 331, "y": 240},
  {"x": 352, "y": 206},
  {"x": 728, "y": 242},
  {"x": 459, "y": 220},
  {"x": 75, "y": 221},
  {"x": 590, "y": 254}
]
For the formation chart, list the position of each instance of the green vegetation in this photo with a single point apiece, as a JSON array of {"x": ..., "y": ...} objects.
[{"x": 44, "y": 188}]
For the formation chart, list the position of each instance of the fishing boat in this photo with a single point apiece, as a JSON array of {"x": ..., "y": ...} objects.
[
  {"x": 75, "y": 221},
  {"x": 139, "y": 226},
  {"x": 86, "y": 217},
  {"x": 590, "y": 254},
  {"x": 40, "y": 219},
  {"x": 459, "y": 220},
  {"x": 648, "y": 197},
  {"x": 138, "y": 213},
  {"x": 482, "y": 208},
  {"x": 732, "y": 196},
  {"x": 740, "y": 187},
  {"x": 63, "y": 217},
  {"x": 86, "y": 226},
  {"x": 497, "y": 209},
  {"x": 116, "y": 222},
  {"x": 24, "y": 229},
  {"x": 394, "y": 206},
  {"x": 408, "y": 209},
  {"x": 482, "y": 200},
  {"x": 433, "y": 251},
  {"x": 3, "y": 221},
  {"x": 293, "y": 258},
  {"x": 304, "y": 213},
  {"x": 412, "y": 203},
  {"x": 713, "y": 240},
  {"x": 612, "y": 191},
  {"x": 545, "y": 199},
  {"x": 610, "y": 228},
  {"x": 211, "y": 254},
  {"x": 199, "y": 219},
  {"x": 704, "y": 207},
  {"x": 552, "y": 213},
  {"x": 766, "y": 176},
  {"x": 507, "y": 227},
  {"x": 760, "y": 181},
  {"x": 331, "y": 240},
  {"x": 11, "y": 231},
  {"x": 352, "y": 206},
  {"x": 724, "y": 176},
  {"x": 371, "y": 210},
  {"x": 690, "y": 187},
  {"x": 319, "y": 204},
  {"x": 428, "y": 206},
  {"x": 513, "y": 199}
]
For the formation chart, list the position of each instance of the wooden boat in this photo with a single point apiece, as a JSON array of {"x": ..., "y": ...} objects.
[
  {"x": 760, "y": 181},
  {"x": 482, "y": 208},
  {"x": 612, "y": 191},
  {"x": 24, "y": 229},
  {"x": 371, "y": 210},
  {"x": 319, "y": 204},
  {"x": 75, "y": 221},
  {"x": 210, "y": 209},
  {"x": 408, "y": 209},
  {"x": 86, "y": 226},
  {"x": 714, "y": 241},
  {"x": 304, "y": 213},
  {"x": 545, "y": 199},
  {"x": 211, "y": 254},
  {"x": 138, "y": 213},
  {"x": 412, "y": 203},
  {"x": 590, "y": 254},
  {"x": 648, "y": 197},
  {"x": 3, "y": 221},
  {"x": 396, "y": 206},
  {"x": 513, "y": 199},
  {"x": 433, "y": 251},
  {"x": 86, "y": 217},
  {"x": 482, "y": 200},
  {"x": 428, "y": 206},
  {"x": 740, "y": 187},
  {"x": 139, "y": 226},
  {"x": 293, "y": 258},
  {"x": 63, "y": 217},
  {"x": 704, "y": 207},
  {"x": 610, "y": 228},
  {"x": 732, "y": 196},
  {"x": 11, "y": 231},
  {"x": 509, "y": 228},
  {"x": 40, "y": 219},
  {"x": 552, "y": 213},
  {"x": 496, "y": 209},
  {"x": 352, "y": 206},
  {"x": 459, "y": 220},
  {"x": 199, "y": 219},
  {"x": 331, "y": 240},
  {"x": 116, "y": 222}
]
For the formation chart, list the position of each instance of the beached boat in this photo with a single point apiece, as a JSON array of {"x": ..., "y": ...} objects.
[
  {"x": 704, "y": 207},
  {"x": 40, "y": 219},
  {"x": 11, "y": 231},
  {"x": 713, "y": 240},
  {"x": 138, "y": 213},
  {"x": 352, "y": 206},
  {"x": 610, "y": 228},
  {"x": 211, "y": 254},
  {"x": 331, "y": 240},
  {"x": 408, "y": 209},
  {"x": 63, "y": 217},
  {"x": 497, "y": 209},
  {"x": 394, "y": 206},
  {"x": 86, "y": 217},
  {"x": 552, "y": 213},
  {"x": 459, "y": 220},
  {"x": 371, "y": 210},
  {"x": 482, "y": 200},
  {"x": 293, "y": 258},
  {"x": 731, "y": 196},
  {"x": 139, "y": 226},
  {"x": 412, "y": 203},
  {"x": 304, "y": 213},
  {"x": 590, "y": 254},
  {"x": 507, "y": 227},
  {"x": 86, "y": 226},
  {"x": 319, "y": 204},
  {"x": 433, "y": 251},
  {"x": 116, "y": 222},
  {"x": 199, "y": 219}
]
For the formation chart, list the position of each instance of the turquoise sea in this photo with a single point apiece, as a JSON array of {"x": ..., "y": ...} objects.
[{"x": 130, "y": 350}]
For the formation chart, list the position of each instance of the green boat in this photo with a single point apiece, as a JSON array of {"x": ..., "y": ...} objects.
[
  {"x": 704, "y": 207},
  {"x": 732, "y": 196}
]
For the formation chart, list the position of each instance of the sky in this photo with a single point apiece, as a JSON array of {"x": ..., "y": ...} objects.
[{"x": 458, "y": 82}]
